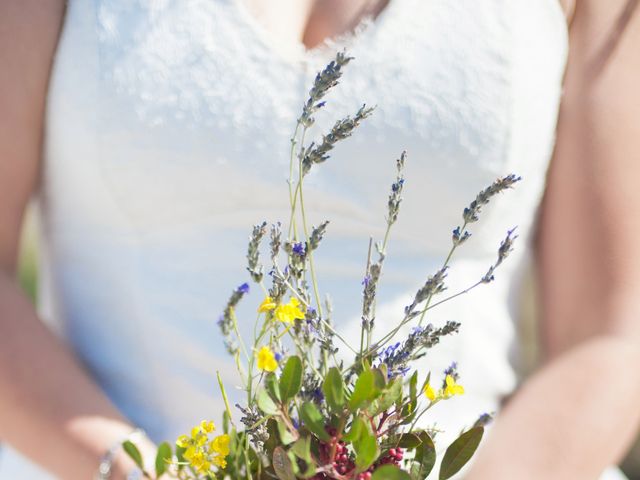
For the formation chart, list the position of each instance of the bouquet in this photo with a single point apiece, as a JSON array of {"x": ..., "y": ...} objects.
[{"x": 307, "y": 414}]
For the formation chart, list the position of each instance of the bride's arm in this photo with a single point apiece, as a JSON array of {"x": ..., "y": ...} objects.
[
  {"x": 49, "y": 407},
  {"x": 581, "y": 410}
]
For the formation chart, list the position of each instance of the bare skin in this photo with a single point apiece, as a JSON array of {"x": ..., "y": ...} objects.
[
  {"x": 50, "y": 409},
  {"x": 575, "y": 416},
  {"x": 579, "y": 412}
]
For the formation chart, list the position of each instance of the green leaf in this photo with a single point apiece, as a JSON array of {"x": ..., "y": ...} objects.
[
  {"x": 408, "y": 441},
  {"x": 410, "y": 409},
  {"x": 358, "y": 426},
  {"x": 333, "y": 389},
  {"x": 313, "y": 420},
  {"x": 286, "y": 436},
  {"x": 266, "y": 403},
  {"x": 391, "y": 393},
  {"x": 389, "y": 472},
  {"x": 180, "y": 457},
  {"x": 271, "y": 384},
  {"x": 291, "y": 379},
  {"x": 460, "y": 452},
  {"x": 282, "y": 464},
  {"x": 367, "y": 451},
  {"x": 413, "y": 391},
  {"x": 272, "y": 442},
  {"x": 364, "y": 390},
  {"x": 425, "y": 457},
  {"x": 385, "y": 371},
  {"x": 380, "y": 378},
  {"x": 302, "y": 449},
  {"x": 134, "y": 453},
  {"x": 163, "y": 456}
]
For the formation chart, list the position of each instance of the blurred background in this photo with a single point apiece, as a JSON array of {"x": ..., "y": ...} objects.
[{"x": 28, "y": 275}]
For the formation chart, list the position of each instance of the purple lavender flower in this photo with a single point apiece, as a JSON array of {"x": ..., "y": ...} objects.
[
  {"x": 299, "y": 249},
  {"x": 244, "y": 288},
  {"x": 318, "y": 396}
]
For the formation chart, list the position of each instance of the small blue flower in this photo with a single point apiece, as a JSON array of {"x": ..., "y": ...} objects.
[
  {"x": 417, "y": 330},
  {"x": 244, "y": 288},
  {"x": 318, "y": 396},
  {"x": 299, "y": 249},
  {"x": 278, "y": 357},
  {"x": 366, "y": 280},
  {"x": 396, "y": 186}
]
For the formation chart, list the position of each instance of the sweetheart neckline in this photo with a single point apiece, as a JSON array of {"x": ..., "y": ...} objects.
[{"x": 366, "y": 29}]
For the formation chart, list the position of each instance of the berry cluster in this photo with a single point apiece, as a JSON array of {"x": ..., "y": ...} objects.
[
  {"x": 343, "y": 463},
  {"x": 394, "y": 456}
]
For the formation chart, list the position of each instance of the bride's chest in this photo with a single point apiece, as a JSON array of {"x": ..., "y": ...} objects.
[{"x": 192, "y": 108}]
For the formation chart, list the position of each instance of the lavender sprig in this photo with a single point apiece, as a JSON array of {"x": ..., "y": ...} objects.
[
  {"x": 253, "y": 252},
  {"x": 374, "y": 269},
  {"x": 342, "y": 129},
  {"x": 227, "y": 321},
  {"x": 324, "y": 81}
]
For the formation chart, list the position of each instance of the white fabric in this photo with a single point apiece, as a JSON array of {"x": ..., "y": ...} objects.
[{"x": 167, "y": 136}]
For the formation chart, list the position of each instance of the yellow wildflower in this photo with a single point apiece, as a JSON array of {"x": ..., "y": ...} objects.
[
  {"x": 207, "y": 426},
  {"x": 452, "y": 388},
  {"x": 266, "y": 360},
  {"x": 202, "y": 453},
  {"x": 200, "y": 463},
  {"x": 220, "y": 462},
  {"x": 190, "y": 453},
  {"x": 430, "y": 392},
  {"x": 220, "y": 445},
  {"x": 183, "y": 441},
  {"x": 289, "y": 312},
  {"x": 266, "y": 305}
]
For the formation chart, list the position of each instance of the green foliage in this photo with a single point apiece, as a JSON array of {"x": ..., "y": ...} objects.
[
  {"x": 460, "y": 452},
  {"x": 367, "y": 450},
  {"x": 266, "y": 403},
  {"x": 291, "y": 379},
  {"x": 285, "y": 434},
  {"x": 133, "y": 452},
  {"x": 333, "y": 389},
  {"x": 425, "y": 457},
  {"x": 282, "y": 464},
  {"x": 364, "y": 391},
  {"x": 390, "y": 472},
  {"x": 163, "y": 457},
  {"x": 314, "y": 421}
]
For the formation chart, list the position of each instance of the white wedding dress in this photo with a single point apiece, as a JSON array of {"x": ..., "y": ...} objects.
[{"x": 167, "y": 137}]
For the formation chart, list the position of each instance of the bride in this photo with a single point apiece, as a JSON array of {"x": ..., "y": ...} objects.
[{"x": 154, "y": 134}]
